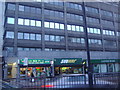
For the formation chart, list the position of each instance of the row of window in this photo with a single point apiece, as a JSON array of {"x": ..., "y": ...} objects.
[
  {"x": 94, "y": 41},
  {"x": 74, "y": 6},
  {"x": 93, "y": 30},
  {"x": 54, "y": 38},
  {"x": 75, "y": 28},
  {"x": 74, "y": 17},
  {"x": 108, "y": 32},
  {"x": 105, "y": 22},
  {"x": 29, "y": 9},
  {"x": 53, "y": 13},
  {"x": 93, "y": 20},
  {"x": 29, "y": 36},
  {"x": 54, "y": 2},
  {"x": 118, "y": 33},
  {"x": 53, "y": 25},
  {"x": 91, "y": 9},
  {"x": 77, "y": 40},
  {"x": 69, "y": 5},
  {"x": 28, "y": 22},
  {"x": 106, "y": 13}
]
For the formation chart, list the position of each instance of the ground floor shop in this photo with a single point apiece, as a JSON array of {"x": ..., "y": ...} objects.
[
  {"x": 105, "y": 65},
  {"x": 58, "y": 66},
  {"x": 69, "y": 66}
]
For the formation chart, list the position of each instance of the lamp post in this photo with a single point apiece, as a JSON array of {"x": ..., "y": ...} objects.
[{"x": 90, "y": 79}]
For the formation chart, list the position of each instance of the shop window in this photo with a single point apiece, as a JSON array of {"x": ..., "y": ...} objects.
[
  {"x": 21, "y": 8},
  {"x": 20, "y": 21},
  {"x": 10, "y": 20},
  {"x": 96, "y": 68},
  {"x": 20, "y": 35},
  {"x": 110, "y": 67},
  {"x": 10, "y": 34},
  {"x": 11, "y": 6}
]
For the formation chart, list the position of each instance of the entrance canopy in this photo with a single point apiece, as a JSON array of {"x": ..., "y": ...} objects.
[
  {"x": 68, "y": 62},
  {"x": 35, "y": 63}
]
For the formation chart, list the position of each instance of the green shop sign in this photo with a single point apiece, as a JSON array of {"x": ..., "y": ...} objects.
[
  {"x": 68, "y": 61},
  {"x": 35, "y": 61},
  {"x": 105, "y": 61}
]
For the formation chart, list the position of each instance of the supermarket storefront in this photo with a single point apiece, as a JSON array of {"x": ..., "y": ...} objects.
[
  {"x": 37, "y": 67},
  {"x": 105, "y": 65},
  {"x": 68, "y": 66}
]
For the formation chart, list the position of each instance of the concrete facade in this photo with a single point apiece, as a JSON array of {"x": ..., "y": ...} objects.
[{"x": 2, "y": 8}]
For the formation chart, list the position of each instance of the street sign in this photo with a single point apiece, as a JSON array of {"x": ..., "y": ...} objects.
[{"x": 25, "y": 61}]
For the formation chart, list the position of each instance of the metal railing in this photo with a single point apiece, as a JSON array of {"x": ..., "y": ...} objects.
[
  {"x": 62, "y": 81},
  {"x": 101, "y": 80},
  {"x": 111, "y": 79}
]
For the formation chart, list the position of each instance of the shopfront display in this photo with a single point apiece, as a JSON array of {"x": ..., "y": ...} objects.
[
  {"x": 68, "y": 66},
  {"x": 35, "y": 68}
]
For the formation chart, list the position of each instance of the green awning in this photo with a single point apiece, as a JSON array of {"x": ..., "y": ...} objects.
[
  {"x": 68, "y": 62},
  {"x": 35, "y": 61}
]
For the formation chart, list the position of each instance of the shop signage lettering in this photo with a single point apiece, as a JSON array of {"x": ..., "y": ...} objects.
[
  {"x": 68, "y": 61},
  {"x": 108, "y": 61},
  {"x": 36, "y": 61}
]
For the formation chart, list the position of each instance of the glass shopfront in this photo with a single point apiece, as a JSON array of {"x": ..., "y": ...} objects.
[{"x": 68, "y": 66}]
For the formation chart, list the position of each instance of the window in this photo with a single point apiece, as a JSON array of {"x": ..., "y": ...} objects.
[
  {"x": 82, "y": 40},
  {"x": 108, "y": 32},
  {"x": 61, "y": 26},
  {"x": 73, "y": 27},
  {"x": 10, "y": 49},
  {"x": 26, "y": 35},
  {"x": 26, "y": 49},
  {"x": 20, "y": 21},
  {"x": 27, "y": 9},
  {"x": 77, "y": 28},
  {"x": 52, "y": 38},
  {"x": 81, "y": 29},
  {"x": 46, "y": 37},
  {"x": 58, "y": 38},
  {"x": 68, "y": 27},
  {"x": 10, "y": 20},
  {"x": 91, "y": 9},
  {"x": 57, "y": 25},
  {"x": 27, "y": 22},
  {"x": 21, "y": 8},
  {"x": 32, "y": 36},
  {"x": 20, "y": 49},
  {"x": 33, "y": 10},
  {"x": 51, "y": 25},
  {"x": 38, "y": 23},
  {"x": 38, "y": 37},
  {"x": 46, "y": 24},
  {"x": 10, "y": 34},
  {"x": 11, "y": 6},
  {"x": 20, "y": 35},
  {"x": 38, "y": 10},
  {"x": 32, "y": 22}
]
